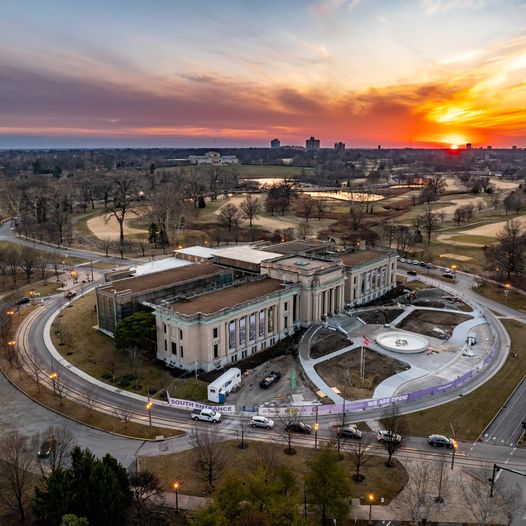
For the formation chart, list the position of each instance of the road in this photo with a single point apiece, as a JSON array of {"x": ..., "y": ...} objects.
[
  {"x": 506, "y": 427},
  {"x": 7, "y": 234},
  {"x": 31, "y": 417}
]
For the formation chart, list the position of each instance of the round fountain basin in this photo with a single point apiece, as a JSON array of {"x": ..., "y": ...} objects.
[{"x": 402, "y": 342}]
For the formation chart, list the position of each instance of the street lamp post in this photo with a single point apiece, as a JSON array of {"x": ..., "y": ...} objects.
[
  {"x": 54, "y": 377},
  {"x": 11, "y": 346},
  {"x": 370, "y": 498},
  {"x": 175, "y": 486},
  {"x": 74, "y": 275},
  {"x": 149, "y": 406},
  {"x": 455, "y": 446},
  {"x": 316, "y": 429},
  {"x": 507, "y": 288}
]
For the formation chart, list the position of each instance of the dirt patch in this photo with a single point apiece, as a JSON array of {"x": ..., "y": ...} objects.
[
  {"x": 325, "y": 342},
  {"x": 107, "y": 227},
  {"x": 424, "y": 321},
  {"x": 379, "y": 316},
  {"x": 377, "y": 368}
]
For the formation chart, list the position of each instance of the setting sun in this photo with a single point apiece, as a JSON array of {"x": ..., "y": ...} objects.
[{"x": 454, "y": 147}]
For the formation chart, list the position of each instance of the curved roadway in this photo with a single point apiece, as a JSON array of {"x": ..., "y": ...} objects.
[{"x": 33, "y": 416}]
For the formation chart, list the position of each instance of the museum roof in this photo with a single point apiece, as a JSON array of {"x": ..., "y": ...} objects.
[
  {"x": 361, "y": 256},
  {"x": 165, "y": 278},
  {"x": 213, "y": 302}
]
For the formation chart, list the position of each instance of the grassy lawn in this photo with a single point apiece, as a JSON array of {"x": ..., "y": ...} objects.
[
  {"x": 412, "y": 285},
  {"x": 247, "y": 170},
  {"x": 94, "y": 352},
  {"x": 472, "y": 413},
  {"x": 81, "y": 223},
  {"x": 493, "y": 292},
  {"x": 385, "y": 482}
]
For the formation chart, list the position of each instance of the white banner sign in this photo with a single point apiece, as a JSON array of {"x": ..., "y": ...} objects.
[{"x": 189, "y": 405}]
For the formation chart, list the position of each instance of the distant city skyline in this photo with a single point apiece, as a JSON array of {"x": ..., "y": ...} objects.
[{"x": 420, "y": 73}]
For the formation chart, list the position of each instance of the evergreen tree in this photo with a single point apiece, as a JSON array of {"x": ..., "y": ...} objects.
[
  {"x": 328, "y": 486},
  {"x": 95, "y": 489}
]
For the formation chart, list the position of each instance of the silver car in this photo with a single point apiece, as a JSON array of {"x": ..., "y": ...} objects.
[{"x": 262, "y": 421}]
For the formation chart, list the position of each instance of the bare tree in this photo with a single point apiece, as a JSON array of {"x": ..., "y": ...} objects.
[
  {"x": 146, "y": 492},
  {"x": 124, "y": 415},
  {"x": 210, "y": 458},
  {"x": 121, "y": 205},
  {"x": 321, "y": 207},
  {"x": 357, "y": 213},
  {"x": 250, "y": 209},
  {"x": 135, "y": 357},
  {"x": 429, "y": 222},
  {"x": 360, "y": 454},
  {"x": 214, "y": 175},
  {"x": 307, "y": 208},
  {"x": 27, "y": 261},
  {"x": 303, "y": 230},
  {"x": 89, "y": 400},
  {"x": 475, "y": 493},
  {"x": 392, "y": 422},
  {"x": 61, "y": 442},
  {"x": 417, "y": 499},
  {"x": 62, "y": 389},
  {"x": 229, "y": 215},
  {"x": 509, "y": 251},
  {"x": 244, "y": 426},
  {"x": 16, "y": 480}
]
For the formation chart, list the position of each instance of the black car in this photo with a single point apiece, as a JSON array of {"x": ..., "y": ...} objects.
[
  {"x": 46, "y": 448},
  {"x": 298, "y": 427},
  {"x": 348, "y": 431},
  {"x": 23, "y": 301},
  {"x": 441, "y": 441},
  {"x": 412, "y": 272},
  {"x": 448, "y": 275},
  {"x": 271, "y": 378}
]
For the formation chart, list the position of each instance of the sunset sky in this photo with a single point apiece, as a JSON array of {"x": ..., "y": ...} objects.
[{"x": 238, "y": 73}]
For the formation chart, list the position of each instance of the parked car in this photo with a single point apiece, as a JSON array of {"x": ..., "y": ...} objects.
[
  {"x": 46, "y": 448},
  {"x": 298, "y": 427},
  {"x": 348, "y": 431},
  {"x": 412, "y": 272},
  {"x": 389, "y": 436},
  {"x": 428, "y": 265},
  {"x": 416, "y": 262},
  {"x": 448, "y": 275},
  {"x": 70, "y": 294},
  {"x": 261, "y": 421},
  {"x": 207, "y": 415},
  {"x": 423, "y": 264},
  {"x": 441, "y": 441},
  {"x": 402, "y": 260},
  {"x": 23, "y": 300},
  {"x": 271, "y": 378}
]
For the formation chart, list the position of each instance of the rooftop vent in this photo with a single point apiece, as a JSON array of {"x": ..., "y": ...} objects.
[{"x": 302, "y": 263}]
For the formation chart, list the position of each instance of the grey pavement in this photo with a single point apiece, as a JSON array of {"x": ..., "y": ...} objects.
[{"x": 506, "y": 427}]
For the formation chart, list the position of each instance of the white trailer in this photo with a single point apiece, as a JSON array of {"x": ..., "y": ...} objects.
[{"x": 219, "y": 388}]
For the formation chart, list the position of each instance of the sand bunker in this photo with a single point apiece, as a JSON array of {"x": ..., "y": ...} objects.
[
  {"x": 456, "y": 257},
  {"x": 107, "y": 227},
  {"x": 492, "y": 229}
]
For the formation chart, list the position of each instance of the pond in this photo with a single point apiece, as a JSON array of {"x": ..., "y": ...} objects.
[{"x": 343, "y": 195}]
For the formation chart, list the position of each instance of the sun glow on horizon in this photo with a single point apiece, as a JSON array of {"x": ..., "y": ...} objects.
[{"x": 454, "y": 147}]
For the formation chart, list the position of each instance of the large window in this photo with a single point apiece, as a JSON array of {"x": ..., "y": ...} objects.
[
  {"x": 242, "y": 332},
  {"x": 215, "y": 332},
  {"x": 271, "y": 320},
  {"x": 261, "y": 323},
  {"x": 174, "y": 348},
  {"x": 232, "y": 335},
  {"x": 252, "y": 327}
]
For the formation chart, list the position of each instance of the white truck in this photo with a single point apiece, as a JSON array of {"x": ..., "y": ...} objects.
[{"x": 208, "y": 415}]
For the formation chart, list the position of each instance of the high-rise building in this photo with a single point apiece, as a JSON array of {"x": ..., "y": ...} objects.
[
  {"x": 274, "y": 143},
  {"x": 489, "y": 147},
  {"x": 312, "y": 144},
  {"x": 339, "y": 147},
  {"x": 469, "y": 146}
]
